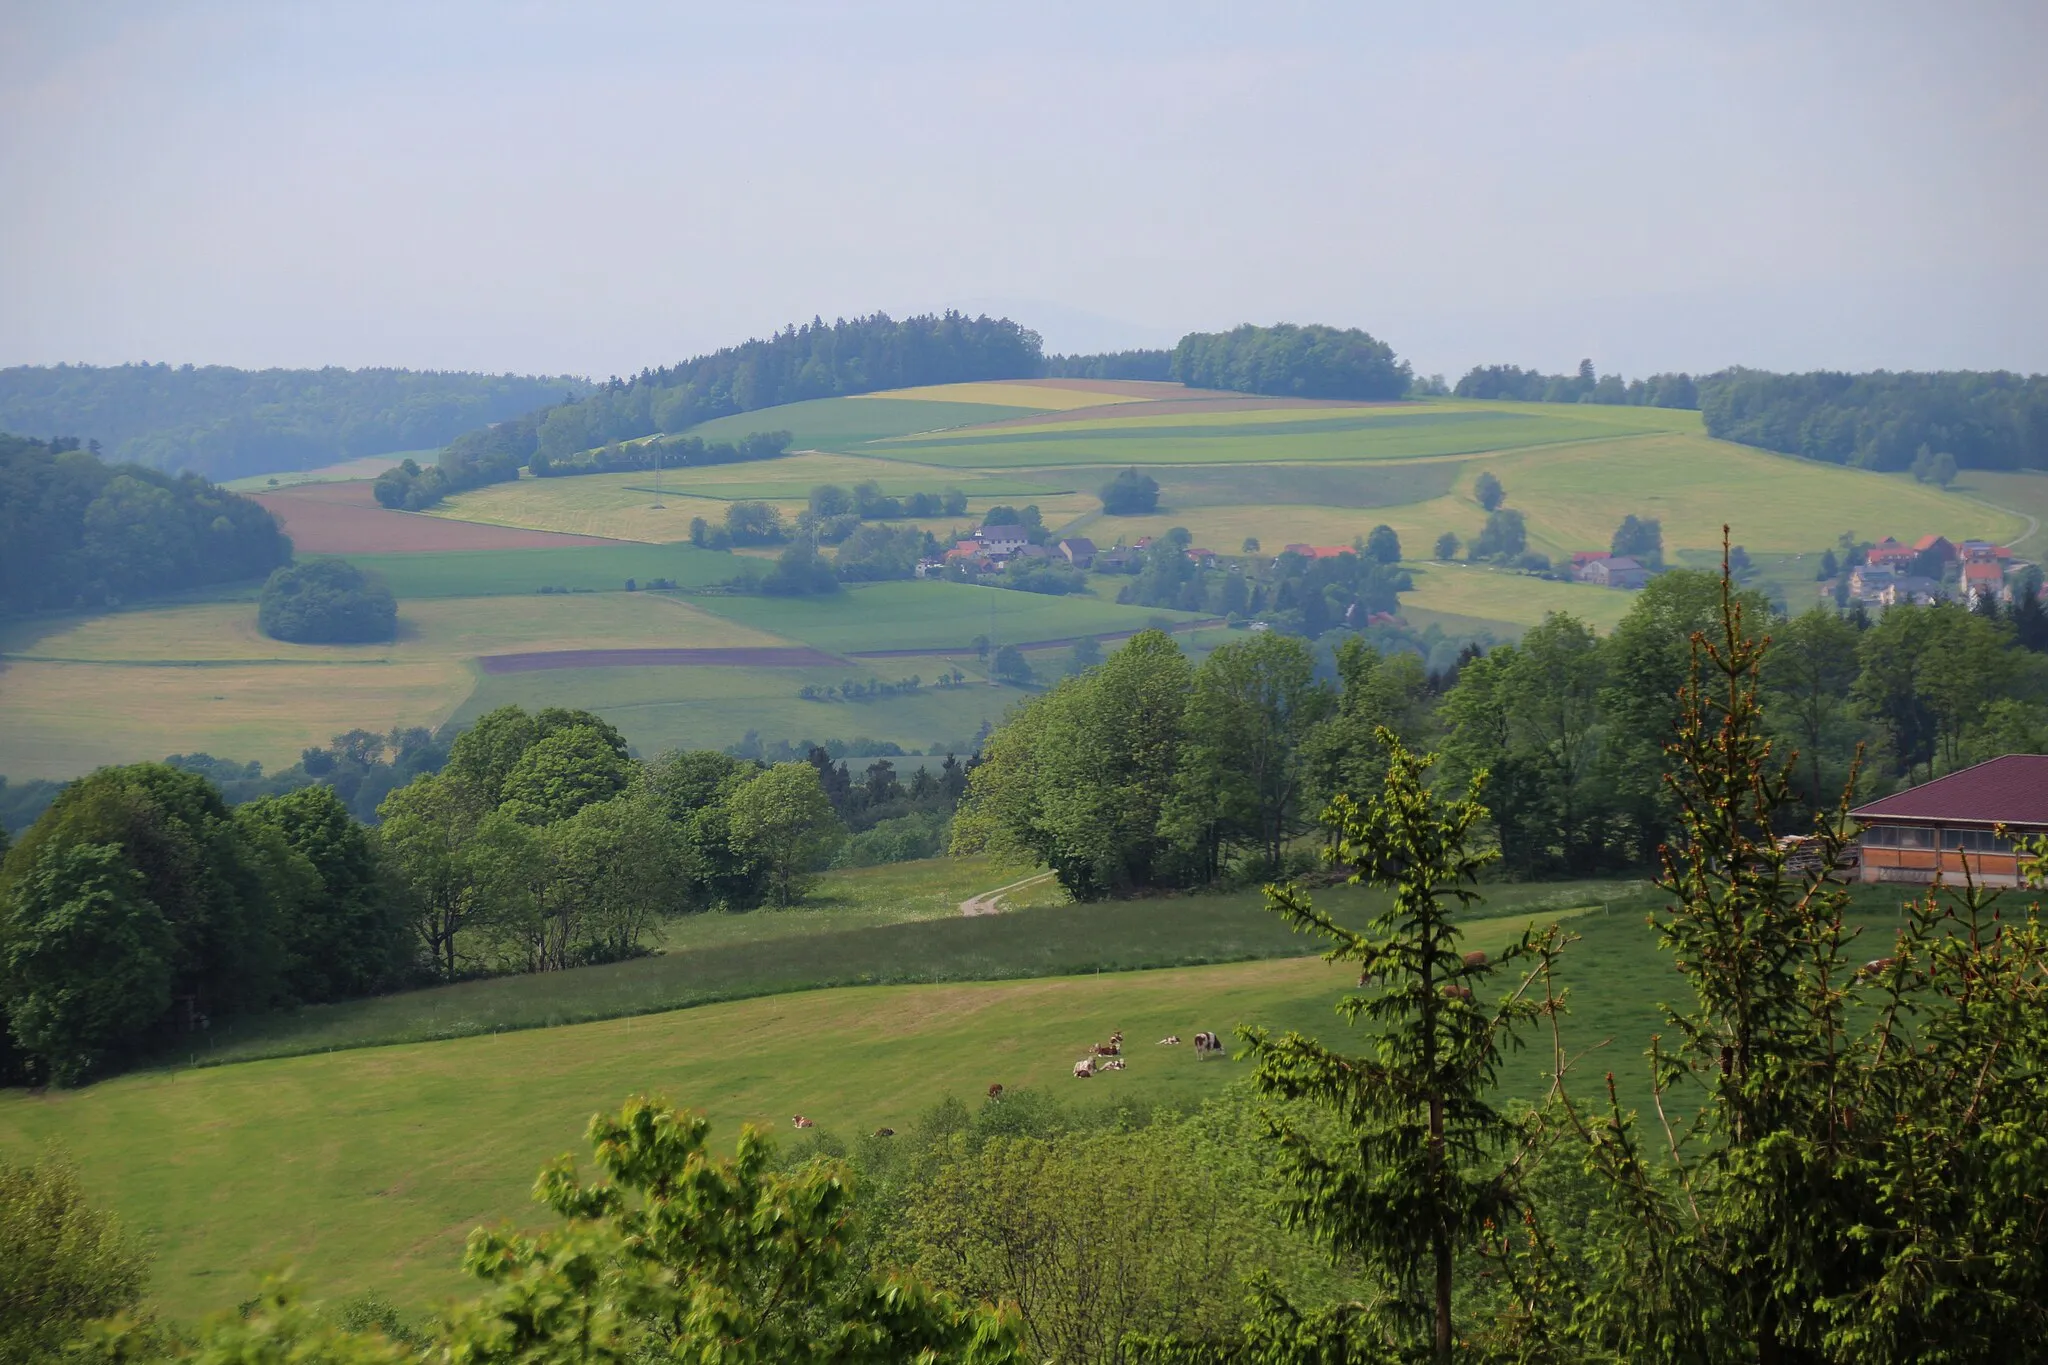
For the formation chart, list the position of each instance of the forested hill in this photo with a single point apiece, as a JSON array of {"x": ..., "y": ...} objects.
[
  {"x": 78, "y": 532},
  {"x": 816, "y": 360},
  {"x": 1884, "y": 420},
  {"x": 226, "y": 423}
]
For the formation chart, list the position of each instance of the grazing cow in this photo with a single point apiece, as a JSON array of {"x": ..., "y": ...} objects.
[
  {"x": 995, "y": 1092},
  {"x": 1475, "y": 959},
  {"x": 1170, "y": 1040},
  {"x": 885, "y": 1132},
  {"x": 1457, "y": 992},
  {"x": 1206, "y": 1043},
  {"x": 1113, "y": 1048},
  {"x": 802, "y": 1122},
  {"x": 1877, "y": 966},
  {"x": 1113, "y": 1064},
  {"x": 1084, "y": 1068}
]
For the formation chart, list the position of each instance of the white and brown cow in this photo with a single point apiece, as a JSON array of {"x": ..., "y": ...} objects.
[{"x": 1206, "y": 1043}]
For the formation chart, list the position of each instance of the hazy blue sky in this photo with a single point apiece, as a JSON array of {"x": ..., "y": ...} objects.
[{"x": 597, "y": 187}]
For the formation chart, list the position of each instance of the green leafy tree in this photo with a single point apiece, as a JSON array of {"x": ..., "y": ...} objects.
[
  {"x": 63, "y": 1263},
  {"x": 1011, "y": 666},
  {"x": 1131, "y": 494},
  {"x": 1447, "y": 545},
  {"x": 1078, "y": 778},
  {"x": 350, "y": 935},
  {"x": 1807, "y": 677},
  {"x": 681, "y": 1254},
  {"x": 562, "y": 773},
  {"x": 326, "y": 601},
  {"x": 1503, "y": 537},
  {"x": 425, "y": 830},
  {"x": 1244, "y": 767},
  {"x": 1410, "y": 1170},
  {"x": 1854, "y": 1185},
  {"x": 1087, "y": 653},
  {"x": 1383, "y": 545},
  {"x": 1639, "y": 538},
  {"x": 783, "y": 818},
  {"x": 87, "y": 957},
  {"x": 1487, "y": 491}
]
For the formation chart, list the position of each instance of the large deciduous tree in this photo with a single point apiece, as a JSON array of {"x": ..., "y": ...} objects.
[{"x": 783, "y": 819}]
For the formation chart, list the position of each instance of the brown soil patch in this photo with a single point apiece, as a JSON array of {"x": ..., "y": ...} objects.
[
  {"x": 344, "y": 518},
  {"x": 1191, "y": 401},
  {"x": 757, "y": 657}
]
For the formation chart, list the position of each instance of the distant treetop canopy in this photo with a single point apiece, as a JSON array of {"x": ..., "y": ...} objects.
[
  {"x": 1302, "y": 362},
  {"x": 227, "y": 423},
  {"x": 78, "y": 532},
  {"x": 1530, "y": 386},
  {"x": 1883, "y": 420},
  {"x": 326, "y": 602}
]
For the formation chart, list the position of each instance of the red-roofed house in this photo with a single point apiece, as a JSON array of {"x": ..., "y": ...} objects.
[
  {"x": 1318, "y": 551},
  {"x": 1890, "y": 553},
  {"x": 1581, "y": 558},
  {"x": 1939, "y": 544},
  {"x": 1983, "y": 579},
  {"x": 1937, "y": 827}
]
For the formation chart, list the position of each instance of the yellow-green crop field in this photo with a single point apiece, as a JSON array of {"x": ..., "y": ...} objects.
[{"x": 77, "y": 692}]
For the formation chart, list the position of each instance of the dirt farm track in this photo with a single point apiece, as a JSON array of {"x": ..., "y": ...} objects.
[{"x": 344, "y": 519}]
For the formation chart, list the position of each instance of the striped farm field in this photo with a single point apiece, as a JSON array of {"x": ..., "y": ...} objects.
[
  {"x": 940, "y": 617},
  {"x": 117, "y": 688},
  {"x": 1503, "y": 598}
]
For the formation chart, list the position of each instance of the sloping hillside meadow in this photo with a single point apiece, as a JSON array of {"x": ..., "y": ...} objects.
[{"x": 543, "y": 564}]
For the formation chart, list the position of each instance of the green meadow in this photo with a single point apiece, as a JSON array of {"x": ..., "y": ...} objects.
[
  {"x": 836, "y": 423},
  {"x": 933, "y": 616},
  {"x": 367, "y": 1165},
  {"x": 589, "y": 568}
]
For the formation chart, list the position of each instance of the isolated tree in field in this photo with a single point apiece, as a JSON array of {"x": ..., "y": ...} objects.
[
  {"x": 783, "y": 818},
  {"x": 1011, "y": 666},
  {"x": 63, "y": 1263},
  {"x": 1934, "y": 466},
  {"x": 1383, "y": 546},
  {"x": 1640, "y": 538},
  {"x": 1447, "y": 545},
  {"x": 953, "y": 502},
  {"x": 1087, "y": 653},
  {"x": 1503, "y": 537},
  {"x": 1130, "y": 494},
  {"x": 1487, "y": 492},
  {"x": 1410, "y": 1173},
  {"x": 326, "y": 601},
  {"x": 1250, "y": 546}
]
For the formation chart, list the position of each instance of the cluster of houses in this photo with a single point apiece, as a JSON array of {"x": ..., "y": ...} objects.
[
  {"x": 993, "y": 546},
  {"x": 1932, "y": 569}
]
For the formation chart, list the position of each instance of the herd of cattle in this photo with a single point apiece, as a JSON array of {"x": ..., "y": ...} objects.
[
  {"x": 1109, "y": 1056},
  {"x": 1101, "y": 1057}
]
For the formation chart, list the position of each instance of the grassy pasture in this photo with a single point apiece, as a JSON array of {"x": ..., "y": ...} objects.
[
  {"x": 367, "y": 1167},
  {"x": 1573, "y": 496},
  {"x": 1007, "y": 393},
  {"x": 1344, "y": 435},
  {"x": 2021, "y": 492},
  {"x": 940, "y": 617},
  {"x": 81, "y": 691},
  {"x": 839, "y": 423},
  {"x": 596, "y": 568},
  {"x": 1478, "y": 592},
  {"x": 362, "y": 467},
  {"x": 695, "y": 707},
  {"x": 618, "y": 506},
  {"x": 1222, "y": 527}
]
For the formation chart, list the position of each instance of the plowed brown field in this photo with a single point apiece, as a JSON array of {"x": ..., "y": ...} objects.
[{"x": 344, "y": 518}]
